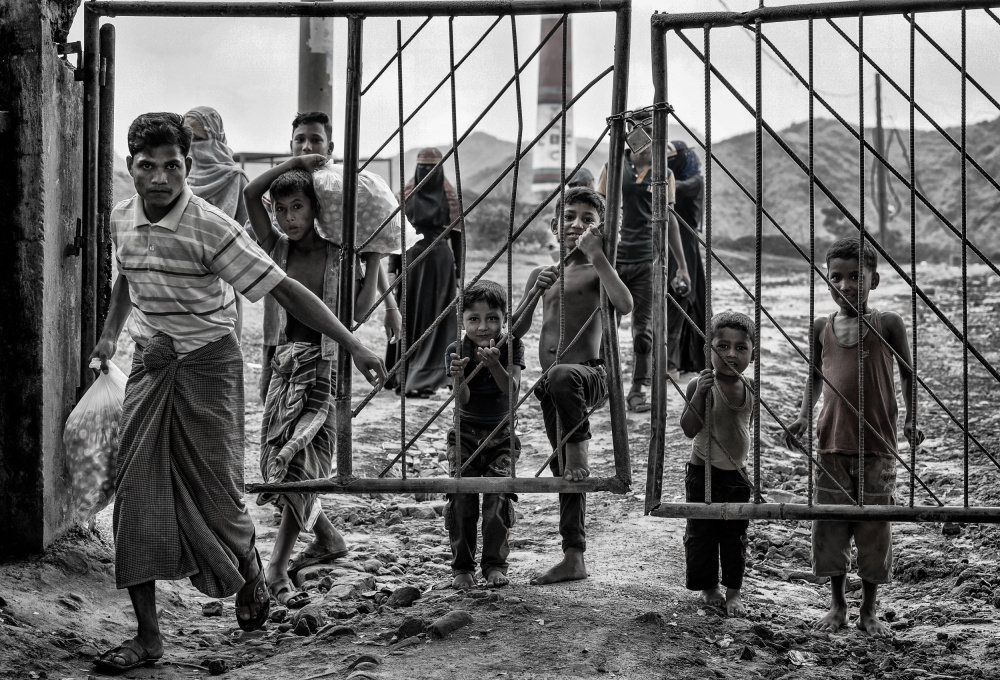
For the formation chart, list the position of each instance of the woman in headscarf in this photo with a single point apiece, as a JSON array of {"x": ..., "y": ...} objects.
[
  {"x": 685, "y": 347},
  {"x": 430, "y": 284},
  {"x": 215, "y": 176}
]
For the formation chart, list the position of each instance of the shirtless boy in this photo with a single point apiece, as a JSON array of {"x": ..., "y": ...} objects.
[{"x": 578, "y": 381}]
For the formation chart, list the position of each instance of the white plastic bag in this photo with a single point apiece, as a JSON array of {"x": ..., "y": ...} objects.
[
  {"x": 90, "y": 439},
  {"x": 375, "y": 203}
]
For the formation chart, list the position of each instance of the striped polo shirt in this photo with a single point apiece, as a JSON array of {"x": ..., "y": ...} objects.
[{"x": 182, "y": 270}]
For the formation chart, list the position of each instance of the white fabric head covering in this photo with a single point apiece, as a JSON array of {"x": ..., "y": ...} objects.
[{"x": 214, "y": 176}]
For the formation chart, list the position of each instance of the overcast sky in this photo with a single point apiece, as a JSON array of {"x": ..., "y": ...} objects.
[{"x": 247, "y": 69}]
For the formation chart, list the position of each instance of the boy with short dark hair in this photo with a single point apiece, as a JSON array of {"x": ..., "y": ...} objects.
[
  {"x": 578, "y": 381},
  {"x": 835, "y": 352},
  {"x": 483, "y": 403},
  {"x": 723, "y": 441}
]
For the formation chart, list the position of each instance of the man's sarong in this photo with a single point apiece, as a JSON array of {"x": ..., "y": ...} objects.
[
  {"x": 179, "y": 508},
  {"x": 297, "y": 435}
]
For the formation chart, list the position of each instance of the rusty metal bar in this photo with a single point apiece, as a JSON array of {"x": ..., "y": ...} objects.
[
  {"x": 658, "y": 416},
  {"x": 812, "y": 266},
  {"x": 861, "y": 259},
  {"x": 91, "y": 123},
  {"x": 812, "y": 11},
  {"x": 352, "y": 134},
  {"x": 105, "y": 175},
  {"x": 446, "y": 485},
  {"x": 403, "y": 364},
  {"x": 801, "y": 511},
  {"x": 612, "y": 219},
  {"x": 351, "y": 9},
  {"x": 965, "y": 274},
  {"x": 512, "y": 388},
  {"x": 913, "y": 252}
]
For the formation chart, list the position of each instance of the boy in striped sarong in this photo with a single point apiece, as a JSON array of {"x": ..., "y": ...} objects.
[{"x": 179, "y": 510}]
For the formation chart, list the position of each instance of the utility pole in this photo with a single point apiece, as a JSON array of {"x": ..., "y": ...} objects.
[
  {"x": 316, "y": 64},
  {"x": 880, "y": 179}
]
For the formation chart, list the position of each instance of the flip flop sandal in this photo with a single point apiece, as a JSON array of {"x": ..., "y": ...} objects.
[
  {"x": 636, "y": 401},
  {"x": 313, "y": 554},
  {"x": 105, "y": 662},
  {"x": 284, "y": 595},
  {"x": 258, "y": 596}
]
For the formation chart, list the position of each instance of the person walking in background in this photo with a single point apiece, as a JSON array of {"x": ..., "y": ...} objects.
[
  {"x": 215, "y": 176},
  {"x": 685, "y": 343},
  {"x": 430, "y": 284}
]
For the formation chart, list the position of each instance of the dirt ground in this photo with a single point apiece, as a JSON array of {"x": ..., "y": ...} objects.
[{"x": 632, "y": 618}]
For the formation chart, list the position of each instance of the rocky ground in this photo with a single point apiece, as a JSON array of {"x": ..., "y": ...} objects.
[{"x": 388, "y": 612}]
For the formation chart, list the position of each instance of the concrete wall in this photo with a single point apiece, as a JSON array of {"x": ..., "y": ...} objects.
[{"x": 40, "y": 201}]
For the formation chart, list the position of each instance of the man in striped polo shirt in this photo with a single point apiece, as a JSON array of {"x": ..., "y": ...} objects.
[{"x": 179, "y": 508}]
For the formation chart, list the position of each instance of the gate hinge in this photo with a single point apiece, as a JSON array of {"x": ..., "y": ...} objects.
[
  {"x": 66, "y": 49},
  {"x": 76, "y": 245}
]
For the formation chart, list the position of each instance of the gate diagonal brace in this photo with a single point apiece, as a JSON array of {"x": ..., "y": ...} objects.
[{"x": 357, "y": 485}]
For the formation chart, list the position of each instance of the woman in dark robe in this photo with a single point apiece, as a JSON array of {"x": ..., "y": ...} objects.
[
  {"x": 430, "y": 284},
  {"x": 685, "y": 347}
]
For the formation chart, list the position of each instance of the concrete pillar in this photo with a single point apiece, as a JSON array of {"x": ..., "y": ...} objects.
[
  {"x": 547, "y": 155},
  {"x": 316, "y": 64},
  {"x": 40, "y": 203}
]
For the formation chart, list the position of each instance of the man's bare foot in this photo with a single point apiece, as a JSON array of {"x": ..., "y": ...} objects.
[
  {"x": 712, "y": 596},
  {"x": 463, "y": 581},
  {"x": 570, "y": 568},
  {"x": 496, "y": 579},
  {"x": 734, "y": 603},
  {"x": 834, "y": 620},
  {"x": 577, "y": 465}
]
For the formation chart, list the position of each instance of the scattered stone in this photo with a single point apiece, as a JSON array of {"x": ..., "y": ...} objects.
[
  {"x": 365, "y": 659},
  {"x": 332, "y": 631},
  {"x": 655, "y": 618},
  {"x": 313, "y": 617},
  {"x": 213, "y": 608},
  {"x": 217, "y": 666},
  {"x": 762, "y": 631},
  {"x": 411, "y": 626},
  {"x": 951, "y": 529},
  {"x": 72, "y": 602},
  {"x": 302, "y": 628},
  {"x": 408, "y": 642},
  {"x": 372, "y": 566},
  {"x": 404, "y": 596},
  {"x": 449, "y": 623},
  {"x": 748, "y": 653},
  {"x": 3, "y": 602},
  {"x": 278, "y": 614}
]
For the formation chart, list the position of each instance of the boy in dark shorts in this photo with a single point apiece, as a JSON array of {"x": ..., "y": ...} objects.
[
  {"x": 835, "y": 352},
  {"x": 484, "y": 403},
  {"x": 578, "y": 381},
  {"x": 724, "y": 441}
]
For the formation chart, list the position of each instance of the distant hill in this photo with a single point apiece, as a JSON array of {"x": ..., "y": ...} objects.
[{"x": 786, "y": 185}]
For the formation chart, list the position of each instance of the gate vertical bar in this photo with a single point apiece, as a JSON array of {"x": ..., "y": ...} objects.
[
  {"x": 758, "y": 253},
  {"x": 810, "y": 382},
  {"x": 709, "y": 397},
  {"x": 913, "y": 256},
  {"x": 612, "y": 218},
  {"x": 658, "y": 394},
  {"x": 513, "y": 390},
  {"x": 352, "y": 131},
  {"x": 91, "y": 122},
  {"x": 861, "y": 259},
  {"x": 403, "y": 292},
  {"x": 965, "y": 278},
  {"x": 105, "y": 174},
  {"x": 459, "y": 306}
]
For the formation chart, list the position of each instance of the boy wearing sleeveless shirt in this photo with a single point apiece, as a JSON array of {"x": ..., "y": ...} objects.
[
  {"x": 835, "y": 352},
  {"x": 717, "y": 418}
]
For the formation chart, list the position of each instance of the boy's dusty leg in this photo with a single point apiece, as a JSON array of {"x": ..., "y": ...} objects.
[
  {"x": 577, "y": 463},
  {"x": 570, "y": 568},
  {"x": 836, "y": 618},
  {"x": 327, "y": 534},
  {"x": 284, "y": 545},
  {"x": 463, "y": 581},
  {"x": 868, "y": 621},
  {"x": 712, "y": 596},
  {"x": 734, "y": 603}
]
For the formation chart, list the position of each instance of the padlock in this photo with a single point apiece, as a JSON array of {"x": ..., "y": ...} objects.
[{"x": 638, "y": 139}]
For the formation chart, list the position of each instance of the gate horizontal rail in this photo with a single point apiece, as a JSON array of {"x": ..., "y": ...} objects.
[
  {"x": 801, "y": 511},
  {"x": 446, "y": 485}
]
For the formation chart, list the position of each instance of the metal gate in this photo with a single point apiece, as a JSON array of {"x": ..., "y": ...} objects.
[
  {"x": 97, "y": 127},
  {"x": 697, "y": 33}
]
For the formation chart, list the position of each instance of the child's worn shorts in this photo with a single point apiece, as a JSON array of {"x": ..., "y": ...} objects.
[{"x": 831, "y": 539}]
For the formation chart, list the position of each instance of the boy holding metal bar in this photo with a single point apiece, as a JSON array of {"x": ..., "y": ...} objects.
[
  {"x": 569, "y": 350},
  {"x": 483, "y": 387},
  {"x": 852, "y": 275},
  {"x": 717, "y": 417}
]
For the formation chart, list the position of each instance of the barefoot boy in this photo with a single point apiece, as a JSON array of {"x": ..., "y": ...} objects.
[
  {"x": 297, "y": 434},
  {"x": 836, "y": 357},
  {"x": 484, "y": 403},
  {"x": 724, "y": 441},
  {"x": 578, "y": 381}
]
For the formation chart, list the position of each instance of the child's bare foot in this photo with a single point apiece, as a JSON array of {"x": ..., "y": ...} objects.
[
  {"x": 834, "y": 620},
  {"x": 734, "y": 603},
  {"x": 868, "y": 622},
  {"x": 496, "y": 579},
  {"x": 570, "y": 568},
  {"x": 577, "y": 465},
  {"x": 463, "y": 581},
  {"x": 712, "y": 597}
]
